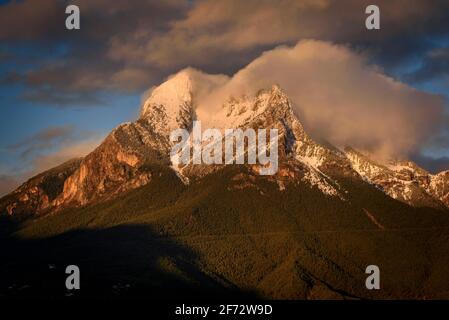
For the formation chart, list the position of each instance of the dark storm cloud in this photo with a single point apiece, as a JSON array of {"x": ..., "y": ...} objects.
[
  {"x": 223, "y": 34},
  {"x": 75, "y": 83},
  {"x": 132, "y": 45},
  {"x": 62, "y": 99},
  {"x": 31, "y": 19},
  {"x": 85, "y": 68},
  {"x": 45, "y": 19}
]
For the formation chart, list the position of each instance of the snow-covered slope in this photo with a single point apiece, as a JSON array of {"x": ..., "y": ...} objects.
[
  {"x": 402, "y": 180},
  {"x": 271, "y": 109},
  {"x": 170, "y": 105},
  {"x": 439, "y": 186}
]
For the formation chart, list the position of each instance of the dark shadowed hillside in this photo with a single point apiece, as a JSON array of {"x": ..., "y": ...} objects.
[{"x": 216, "y": 236}]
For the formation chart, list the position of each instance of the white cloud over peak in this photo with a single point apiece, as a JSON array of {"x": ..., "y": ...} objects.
[{"x": 339, "y": 97}]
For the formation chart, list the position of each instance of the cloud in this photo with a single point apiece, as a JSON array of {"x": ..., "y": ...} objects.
[
  {"x": 41, "y": 140},
  {"x": 74, "y": 66},
  {"x": 51, "y": 85},
  {"x": 214, "y": 31},
  {"x": 31, "y": 19},
  {"x": 45, "y": 150},
  {"x": 128, "y": 46},
  {"x": 45, "y": 139},
  {"x": 65, "y": 153},
  {"x": 62, "y": 99},
  {"x": 53, "y": 145},
  {"x": 340, "y": 97},
  {"x": 45, "y": 19}
]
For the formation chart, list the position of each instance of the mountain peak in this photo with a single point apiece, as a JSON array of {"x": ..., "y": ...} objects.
[
  {"x": 178, "y": 85},
  {"x": 277, "y": 90},
  {"x": 170, "y": 105},
  {"x": 177, "y": 90}
]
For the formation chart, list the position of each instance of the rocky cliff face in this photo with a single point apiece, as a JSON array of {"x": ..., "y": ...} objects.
[
  {"x": 36, "y": 195},
  {"x": 131, "y": 153},
  {"x": 117, "y": 165}
]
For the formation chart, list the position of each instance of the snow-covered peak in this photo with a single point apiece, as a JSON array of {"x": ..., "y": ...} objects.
[
  {"x": 278, "y": 95},
  {"x": 170, "y": 97},
  {"x": 176, "y": 90},
  {"x": 238, "y": 111},
  {"x": 364, "y": 166},
  {"x": 192, "y": 95},
  {"x": 401, "y": 179},
  {"x": 406, "y": 167},
  {"x": 174, "y": 103}
]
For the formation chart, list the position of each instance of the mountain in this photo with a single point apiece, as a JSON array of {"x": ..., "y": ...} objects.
[
  {"x": 402, "y": 180},
  {"x": 121, "y": 162},
  {"x": 37, "y": 194},
  {"x": 308, "y": 231}
]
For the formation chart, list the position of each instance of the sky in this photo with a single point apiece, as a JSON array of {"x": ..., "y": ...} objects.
[{"x": 62, "y": 91}]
